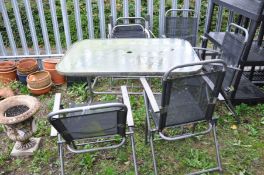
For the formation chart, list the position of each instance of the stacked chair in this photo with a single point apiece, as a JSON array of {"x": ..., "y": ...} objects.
[{"x": 232, "y": 50}]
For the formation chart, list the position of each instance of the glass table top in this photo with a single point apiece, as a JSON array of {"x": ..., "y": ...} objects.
[{"x": 127, "y": 57}]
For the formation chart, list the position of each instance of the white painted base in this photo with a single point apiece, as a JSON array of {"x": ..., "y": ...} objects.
[
  {"x": 53, "y": 132},
  {"x": 28, "y": 152}
]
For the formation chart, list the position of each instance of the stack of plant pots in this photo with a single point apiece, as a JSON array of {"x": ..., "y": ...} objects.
[
  {"x": 50, "y": 66},
  {"x": 39, "y": 82},
  {"x": 7, "y": 71},
  {"x": 25, "y": 67}
]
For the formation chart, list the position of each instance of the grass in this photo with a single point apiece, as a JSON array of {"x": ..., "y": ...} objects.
[{"x": 241, "y": 146}]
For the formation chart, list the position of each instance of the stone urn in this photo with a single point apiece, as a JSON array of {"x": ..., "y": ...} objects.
[{"x": 16, "y": 114}]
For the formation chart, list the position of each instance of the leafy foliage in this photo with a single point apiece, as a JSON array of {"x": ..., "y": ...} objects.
[{"x": 83, "y": 16}]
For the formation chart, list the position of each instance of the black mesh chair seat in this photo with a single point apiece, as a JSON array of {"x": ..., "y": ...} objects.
[
  {"x": 133, "y": 31},
  {"x": 94, "y": 123},
  {"x": 183, "y": 110},
  {"x": 181, "y": 25},
  {"x": 232, "y": 48},
  {"x": 128, "y": 27}
]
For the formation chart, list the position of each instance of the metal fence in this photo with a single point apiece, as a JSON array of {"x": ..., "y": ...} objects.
[{"x": 46, "y": 28}]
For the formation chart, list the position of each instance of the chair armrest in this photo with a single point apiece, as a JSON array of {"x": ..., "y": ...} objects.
[
  {"x": 206, "y": 49},
  {"x": 130, "y": 121},
  {"x": 234, "y": 68},
  {"x": 56, "y": 107},
  {"x": 208, "y": 52},
  {"x": 150, "y": 95}
]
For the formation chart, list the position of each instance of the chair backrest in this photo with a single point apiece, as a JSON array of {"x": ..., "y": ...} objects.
[
  {"x": 129, "y": 27},
  {"x": 181, "y": 25},
  {"x": 191, "y": 97},
  {"x": 232, "y": 51},
  {"x": 90, "y": 121},
  {"x": 128, "y": 31}
]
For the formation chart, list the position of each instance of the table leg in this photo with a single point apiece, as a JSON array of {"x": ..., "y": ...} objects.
[{"x": 90, "y": 89}]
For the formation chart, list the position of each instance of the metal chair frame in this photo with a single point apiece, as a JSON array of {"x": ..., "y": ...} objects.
[
  {"x": 73, "y": 146},
  {"x": 229, "y": 93},
  {"x": 152, "y": 109}
]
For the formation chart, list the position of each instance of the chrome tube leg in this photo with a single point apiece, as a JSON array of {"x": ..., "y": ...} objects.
[
  {"x": 61, "y": 153},
  {"x": 147, "y": 118},
  {"x": 146, "y": 132},
  {"x": 90, "y": 89},
  {"x": 111, "y": 79},
  {"x": 153, "y": 154},
  {"x": 217, "y": 149},
  {"x": 231, "y": 107},
  {"x": 133, "y": 150}
]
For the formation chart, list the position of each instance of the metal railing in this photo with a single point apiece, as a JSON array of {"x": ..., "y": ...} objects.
[{"x": 37, "y": 28}]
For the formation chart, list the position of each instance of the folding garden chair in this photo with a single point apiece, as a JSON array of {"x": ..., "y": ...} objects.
[
  {"x": 123, "y": 28},
  {"x": 231, "y": 52},
  {"x": 101, "y": 126},
  {"x": 181, "y": 23},
  {"x": 185, "y": 99}
]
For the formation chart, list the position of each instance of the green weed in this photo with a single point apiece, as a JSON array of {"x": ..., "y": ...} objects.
[
  {"x": 78, "y": 91},
  {"x": 198, "y": 159}
]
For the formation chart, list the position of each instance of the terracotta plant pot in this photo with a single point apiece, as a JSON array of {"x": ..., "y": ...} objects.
[
  {"x": 50, "y": 63},
  {"x": 27, "y": 72},
  {"x": 7, "y": 77},
  {"x": 39, "y": 79},
  {"x": 40, "y": 91},
  {"x": 27, "y": 66},
  {"x": 6, "y": 66},
  {"x": 56, "y": 78}
]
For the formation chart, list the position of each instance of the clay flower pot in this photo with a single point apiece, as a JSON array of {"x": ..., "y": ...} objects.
[
  {"x": 40, "y": 91},
  {"x": 6, "y": 66},
  {"x": 38, "y": 80},
  {"x": 27, "y": 66},
  {"x": 56, "y": 78},
  {"x": 7, "y": 77},
  {"x": 50, "y": 63}
]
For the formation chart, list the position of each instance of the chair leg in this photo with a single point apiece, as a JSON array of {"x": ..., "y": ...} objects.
[
  {"x": 146, "y": 132},
  {"x": 132, "y": 139},
  {"x": 218, "y": 159},
  {"x": 90, "y": 89},
  {"x": 61, "y": 153},
  {"x": 153, "y": 154},
  {"x": 217, "y": 149},
  {"x": 231, "y": 108}
]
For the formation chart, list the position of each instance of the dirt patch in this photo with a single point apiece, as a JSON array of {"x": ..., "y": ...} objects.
[{"x": 16, "y": 110}]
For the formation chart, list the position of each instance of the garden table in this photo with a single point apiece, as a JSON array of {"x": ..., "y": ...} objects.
[{"x": 127, "y": 57}]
